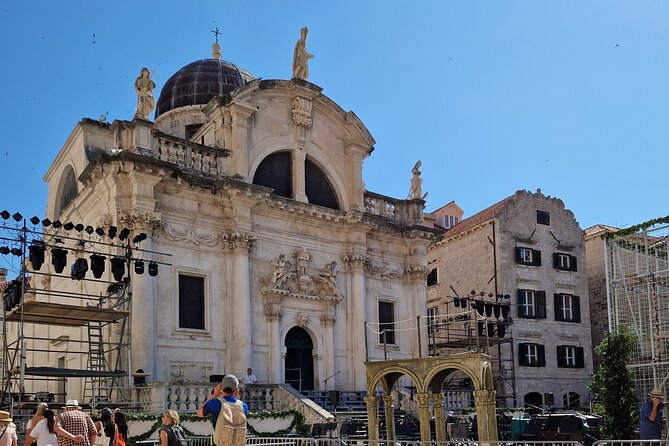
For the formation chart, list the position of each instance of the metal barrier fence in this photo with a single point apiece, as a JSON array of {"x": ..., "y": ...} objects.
[
  {"x": 631, "y": 443},
  {"x": 299, "y": 441}
]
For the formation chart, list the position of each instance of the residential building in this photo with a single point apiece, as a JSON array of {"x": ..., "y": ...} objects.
[{"x": 524, "y": 255}]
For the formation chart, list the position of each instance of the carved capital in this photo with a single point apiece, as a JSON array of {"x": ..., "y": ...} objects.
[
  {"x": 423, "y": 399},
  {"x": 148, "y": 221},
  {"x": 273, "y": 312},
  {"x": 355, "y": 262},
  {"x": 328, "y": 319},
  {"x": 238, "y": 240},
  {"x": 484, "y": 397},
  {"x": 416, "y": 272},
  {"x": 372, "y": 401},
  {"x": 388, "y": 400},
  {"x": 302, "y": 111}
]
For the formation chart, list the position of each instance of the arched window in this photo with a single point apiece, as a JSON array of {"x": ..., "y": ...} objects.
[
  {"x": 67, "y": 190},
  {"x": 275, "y": 172},
  {"x": 318, "y": 188},
  {"x": 533, "y": 401}
]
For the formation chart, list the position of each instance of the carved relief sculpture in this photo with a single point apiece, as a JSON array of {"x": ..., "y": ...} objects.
[
  {"x": 301, "y": 57},
  {"x": 281, "y": 271},
  {"x": 144, "y": 88},
  {"x": 302, "y": 256}
]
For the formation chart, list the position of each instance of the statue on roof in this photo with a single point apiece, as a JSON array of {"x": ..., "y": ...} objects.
[
  {"x": 144, "y": 86},
  {"x": 301, "y": 57},
  {"x": 416, "y": 190}
]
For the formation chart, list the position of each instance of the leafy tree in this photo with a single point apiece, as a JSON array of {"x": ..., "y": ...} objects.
[{"x": 613, "y": 387}]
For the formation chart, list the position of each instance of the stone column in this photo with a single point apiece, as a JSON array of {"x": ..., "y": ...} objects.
[
  {"x": 416, "y": 275},
  {"x": 355, "y": 263},
  {"x": 372, "y": 402},
  {"x": 242, "y": 322},
  {"x": 485, "y": 415},
  {"x": 327, "y": 321},
  {"x": 239, "y": 129},
  {"x": 439, "y": 421},
  {"x": 389, "y": 411},
  {"x": 273, "y": 314},
  {"x": 424, "y": 416},
  {"x": 299, "y": 156}
]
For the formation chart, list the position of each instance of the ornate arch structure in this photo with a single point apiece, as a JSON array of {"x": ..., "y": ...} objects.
[{"x": 429, "y": 374}]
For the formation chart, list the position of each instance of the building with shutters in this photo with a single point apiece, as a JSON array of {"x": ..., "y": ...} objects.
[
  {"x": 524, "y": 255},
  {"x": 278, "y": 255}
]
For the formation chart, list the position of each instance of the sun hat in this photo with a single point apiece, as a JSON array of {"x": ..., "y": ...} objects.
[
  {"x": 656, "y": 393},
  {"x": 72, "y": 403},
  {"x": 229, "y": 383},
  {"x": 5, "y": 416}
]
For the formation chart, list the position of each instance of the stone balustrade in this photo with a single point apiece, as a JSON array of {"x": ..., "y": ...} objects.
[
  {"x": 188, "y": 155},
  {"x": 405, "y": 212}
]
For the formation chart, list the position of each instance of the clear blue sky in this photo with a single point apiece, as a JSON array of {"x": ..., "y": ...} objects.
[{"x": 568, "y": 96}]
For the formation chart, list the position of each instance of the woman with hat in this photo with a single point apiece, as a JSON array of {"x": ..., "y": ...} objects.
[
  {"x": 8, "y": 433},
  {"x": 650, "y": 421}
]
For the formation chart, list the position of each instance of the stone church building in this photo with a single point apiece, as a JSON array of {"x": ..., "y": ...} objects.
[{"x": 271, "y": 253}]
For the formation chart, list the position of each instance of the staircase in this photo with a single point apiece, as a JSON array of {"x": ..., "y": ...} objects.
[{"x": 95, "y": 388}]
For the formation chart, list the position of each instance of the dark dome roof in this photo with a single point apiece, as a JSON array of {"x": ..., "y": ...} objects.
[{"x": 198, "y": 82}]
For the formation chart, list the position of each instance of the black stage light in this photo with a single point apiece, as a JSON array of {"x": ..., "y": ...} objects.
[
  {"x": 56, "y": 224},
  {"x": 139, "y": 237},
  {"x": 36, "y": 255},
  {"x": 125, "y": 232},
  {"x": 501, "y": 329},
  {"x": 506, "y": 309},
  {"x": 491, "y": 329},
  {"x": 5, "y": 214},
  {"x": 16, "y": 251},
  {"x": 34, "y": 220},
  {"x": 497, "y": 308},
  {"x": 17, "y": 217},
  {"x": 488, "y": 309},
  {"x": 79, "y": 268},
  {"x": 68, "y": 226},
  {"x": 58, "y": 259},
  {"x": 97, "y": 265},
  {"x": 100, "y": 232},
  {"x": 139, "y": 267},
  {"x": 89, "y": 230},
  {"x": 112, "y": 231},
  {"x": 46, "y": 222},
  {"x": 118, "y": 268},
  {"x": 153, "y": 269},
  {"x": 79, "y": 227},
  {"x": 4, "y": 250}
]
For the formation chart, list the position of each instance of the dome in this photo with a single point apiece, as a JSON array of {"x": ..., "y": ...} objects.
[{"x": 198, "y": 82}]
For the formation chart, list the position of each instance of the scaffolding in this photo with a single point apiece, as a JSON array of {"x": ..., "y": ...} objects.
[
  {"x": 637, "y": 281},
  {"x": 93, "y": 326}
]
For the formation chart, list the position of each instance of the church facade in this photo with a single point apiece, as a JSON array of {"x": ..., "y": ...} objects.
[{"x": 271, "y": 253}]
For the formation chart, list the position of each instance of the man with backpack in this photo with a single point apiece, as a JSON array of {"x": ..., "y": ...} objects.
[{"x": 227, "y": 413}]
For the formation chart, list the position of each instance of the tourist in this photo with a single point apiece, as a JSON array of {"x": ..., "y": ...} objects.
[
  {"x": 37, "y": 417},
  {"x": 74, "y": 421},
  {"x": 44, "y": 432},
  {"x": 171, "y": 434},
  {"x": 250, "y": 378},
  {"x": 8, "y": 435},
  {"x": 227, "y": 390},
  {"x": 121, "y": 427},
  {"x": 106, "y": 428},
  {"x": 650, "y": 423}
]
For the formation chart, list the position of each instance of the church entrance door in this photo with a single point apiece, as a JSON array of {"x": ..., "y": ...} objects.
[{"x": 299, "y": 365}]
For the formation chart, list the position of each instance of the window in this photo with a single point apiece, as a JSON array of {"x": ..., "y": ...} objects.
[
  {"x": 567, "y": 308},
  {"x": 192, "y": 129},
  {"x": 386, "y": 322},
  {"x": 450, "y": 221},
  {"x": 432, "y": 278},
  {"x": 570, "y": 357},
  {"x": 527, "y": 256},
  {"x": 543, "y": 217},
  {"x": 531, "y": 304},
  {"x": 531, "y": 355},
  {"x": 564, "y": 262},
  {"x": 191, "y": 302},
  {"x": 571, "y": 400},
  {"x": 432, "y": 313}
]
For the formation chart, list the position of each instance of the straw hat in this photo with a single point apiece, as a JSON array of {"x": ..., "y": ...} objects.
[
  {"x": 5, "y": 416},
  {"x": 71, "y": 403},
  {"x": 656, "y": 393}
]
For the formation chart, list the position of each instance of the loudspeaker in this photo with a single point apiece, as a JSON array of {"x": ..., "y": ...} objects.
[{"x": 334, "y": 398}]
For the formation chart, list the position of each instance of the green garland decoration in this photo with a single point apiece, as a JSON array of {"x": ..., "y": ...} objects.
[
  {"x": 636, "y": 228},
  {"x": 298, "y": 424}
]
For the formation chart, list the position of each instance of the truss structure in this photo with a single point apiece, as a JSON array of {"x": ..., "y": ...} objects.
[{"x": 637, "y": 281}]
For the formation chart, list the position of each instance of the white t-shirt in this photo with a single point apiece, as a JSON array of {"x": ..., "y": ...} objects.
[
  {"x": 250, "y": 379},
  {"x": 41, "y": 433}
]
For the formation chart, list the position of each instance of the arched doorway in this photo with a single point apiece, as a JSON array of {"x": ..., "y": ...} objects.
[
  {"x": 299, "y": 365},
  {"x": 533, "y": 400}
]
